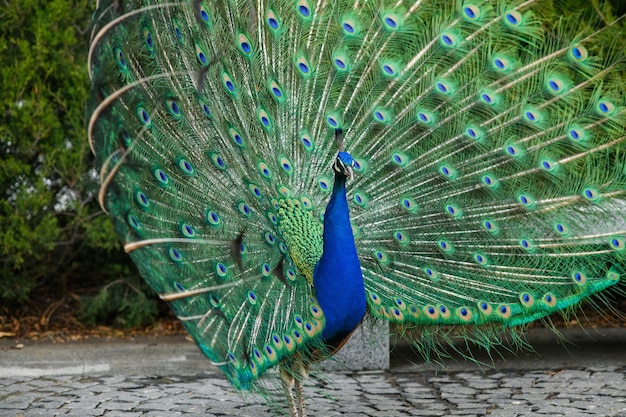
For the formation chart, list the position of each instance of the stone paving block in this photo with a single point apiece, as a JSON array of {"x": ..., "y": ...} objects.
[
  {"x": 85, "y": 412},
  {"x": 517, "y": 382},
  {"x": 518, "y": 408},
  {"x": 47, "y": 404},
  {"x": 427, "y": 413},
  {"x": 551, "y": 410},
  {"x": 43, "y": 397},
  {"x": 100, "y": 397},
  {"x": 42, "y": 412},
  {"x": 473, "y": 413},
  {"x": 429, "y": 395},
  {"x": 608, "y": 376},
  {"x": 53, "y": 388},
  {"x": 351, "y": 413},
  {"x": 440, "y": 379},
  {"x": 43, "y": 382},
  {"x": 530, "y": 397},
  {"x": 192, "y": 401},
  {"x": 161, "y": 414},
  {"x": 419, "y": 402},
  {"x": 154, "y": 405},
  {"x": 188, "y": 408},
  {"x": 381, "y": 390},
  {"x": 608, "y": 391},
  {"x": 12, "y": 413},
  {"x": 571, "y": 374},
  {"x": 82, "y": 405},
  {"x": 119, "y": 413},
  {"x": 386, "y": 405},
  {"x": 471, "y": 404},
  {"x": 504, "y": 413},
  {"x": 402, "y": 412},
  {"x": 12, "y": 388},
  {"x": 81, "y": 382},
  {"x": 495, "y": 395},
  {"x": 117, "y": 406},
  {"x": 459, "y": 390},
  {"x": 201, "y": 415},
  {"x": 18, "y": 404},
  {"x": 131, "y": 397},
  {"x": 437, "y": 406},
  {"x": 220, "y": 409},
  {"x": 481, "y": 384}
]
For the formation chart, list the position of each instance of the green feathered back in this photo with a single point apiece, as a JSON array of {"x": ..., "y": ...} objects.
[{"x": 489, "y": 140}]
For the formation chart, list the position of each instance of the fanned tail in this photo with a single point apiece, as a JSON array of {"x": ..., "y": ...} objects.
[
  {"x": 495, "y": 196},
  {"x": 180, "y": 176},
  {"x": 489, "y": 142}
]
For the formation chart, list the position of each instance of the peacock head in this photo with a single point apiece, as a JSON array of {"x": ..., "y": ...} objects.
[{"x": 343, "y": 164}]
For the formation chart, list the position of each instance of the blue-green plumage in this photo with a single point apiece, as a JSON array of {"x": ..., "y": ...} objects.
[
  {"x": 337, "y": 277},
  {"x": 487, "y": 143}
]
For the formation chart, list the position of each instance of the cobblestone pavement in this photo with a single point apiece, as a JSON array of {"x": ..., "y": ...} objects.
[
  {"x": 559, "y": 385},
  {"x": 597, "y": 392}
]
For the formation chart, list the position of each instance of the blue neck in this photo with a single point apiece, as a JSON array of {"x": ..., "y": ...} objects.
[{"x": 337, "y": 277}]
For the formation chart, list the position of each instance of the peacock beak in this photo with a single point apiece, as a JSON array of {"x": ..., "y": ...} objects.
[{"x": 350, "y": 172}]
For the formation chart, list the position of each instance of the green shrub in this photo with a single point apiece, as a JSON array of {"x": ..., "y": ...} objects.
[
  {"x": 121, "y": 303},
  {"x": 54, "y": 238}
]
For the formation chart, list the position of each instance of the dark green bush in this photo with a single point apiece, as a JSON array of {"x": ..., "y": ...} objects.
[
  {"x": 122, "y": 302},
  {"x": 54, "y": 238}
]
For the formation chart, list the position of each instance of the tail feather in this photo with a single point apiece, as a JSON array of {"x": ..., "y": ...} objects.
[{"x": 488, "y": 140}]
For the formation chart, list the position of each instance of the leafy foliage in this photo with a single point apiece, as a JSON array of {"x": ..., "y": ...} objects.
[
  {"x": 54, "y": 238},
  {"x": 120, "y": 302}
]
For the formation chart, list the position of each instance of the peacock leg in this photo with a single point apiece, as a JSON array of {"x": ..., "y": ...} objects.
[
  {"x": 299, "y": 385},
  {"x": 288, "y": 381}
]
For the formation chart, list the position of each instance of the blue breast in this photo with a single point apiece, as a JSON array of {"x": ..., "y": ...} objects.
[{"x": 337, "y": 277}]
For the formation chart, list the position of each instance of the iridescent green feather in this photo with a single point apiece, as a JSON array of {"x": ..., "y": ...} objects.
[{"x": 490, "y": 170}]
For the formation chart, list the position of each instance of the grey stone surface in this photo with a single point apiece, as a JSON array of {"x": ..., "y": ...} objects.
[
  {"x": 367, "y": 349},
  {"x": 585, "y": 380}
]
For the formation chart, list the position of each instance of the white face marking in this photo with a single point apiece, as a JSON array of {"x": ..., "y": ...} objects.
[{"x": 341, "y": 167}]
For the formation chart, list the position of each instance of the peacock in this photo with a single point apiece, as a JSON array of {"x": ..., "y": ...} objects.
[{"x": 278, "y": 169}]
